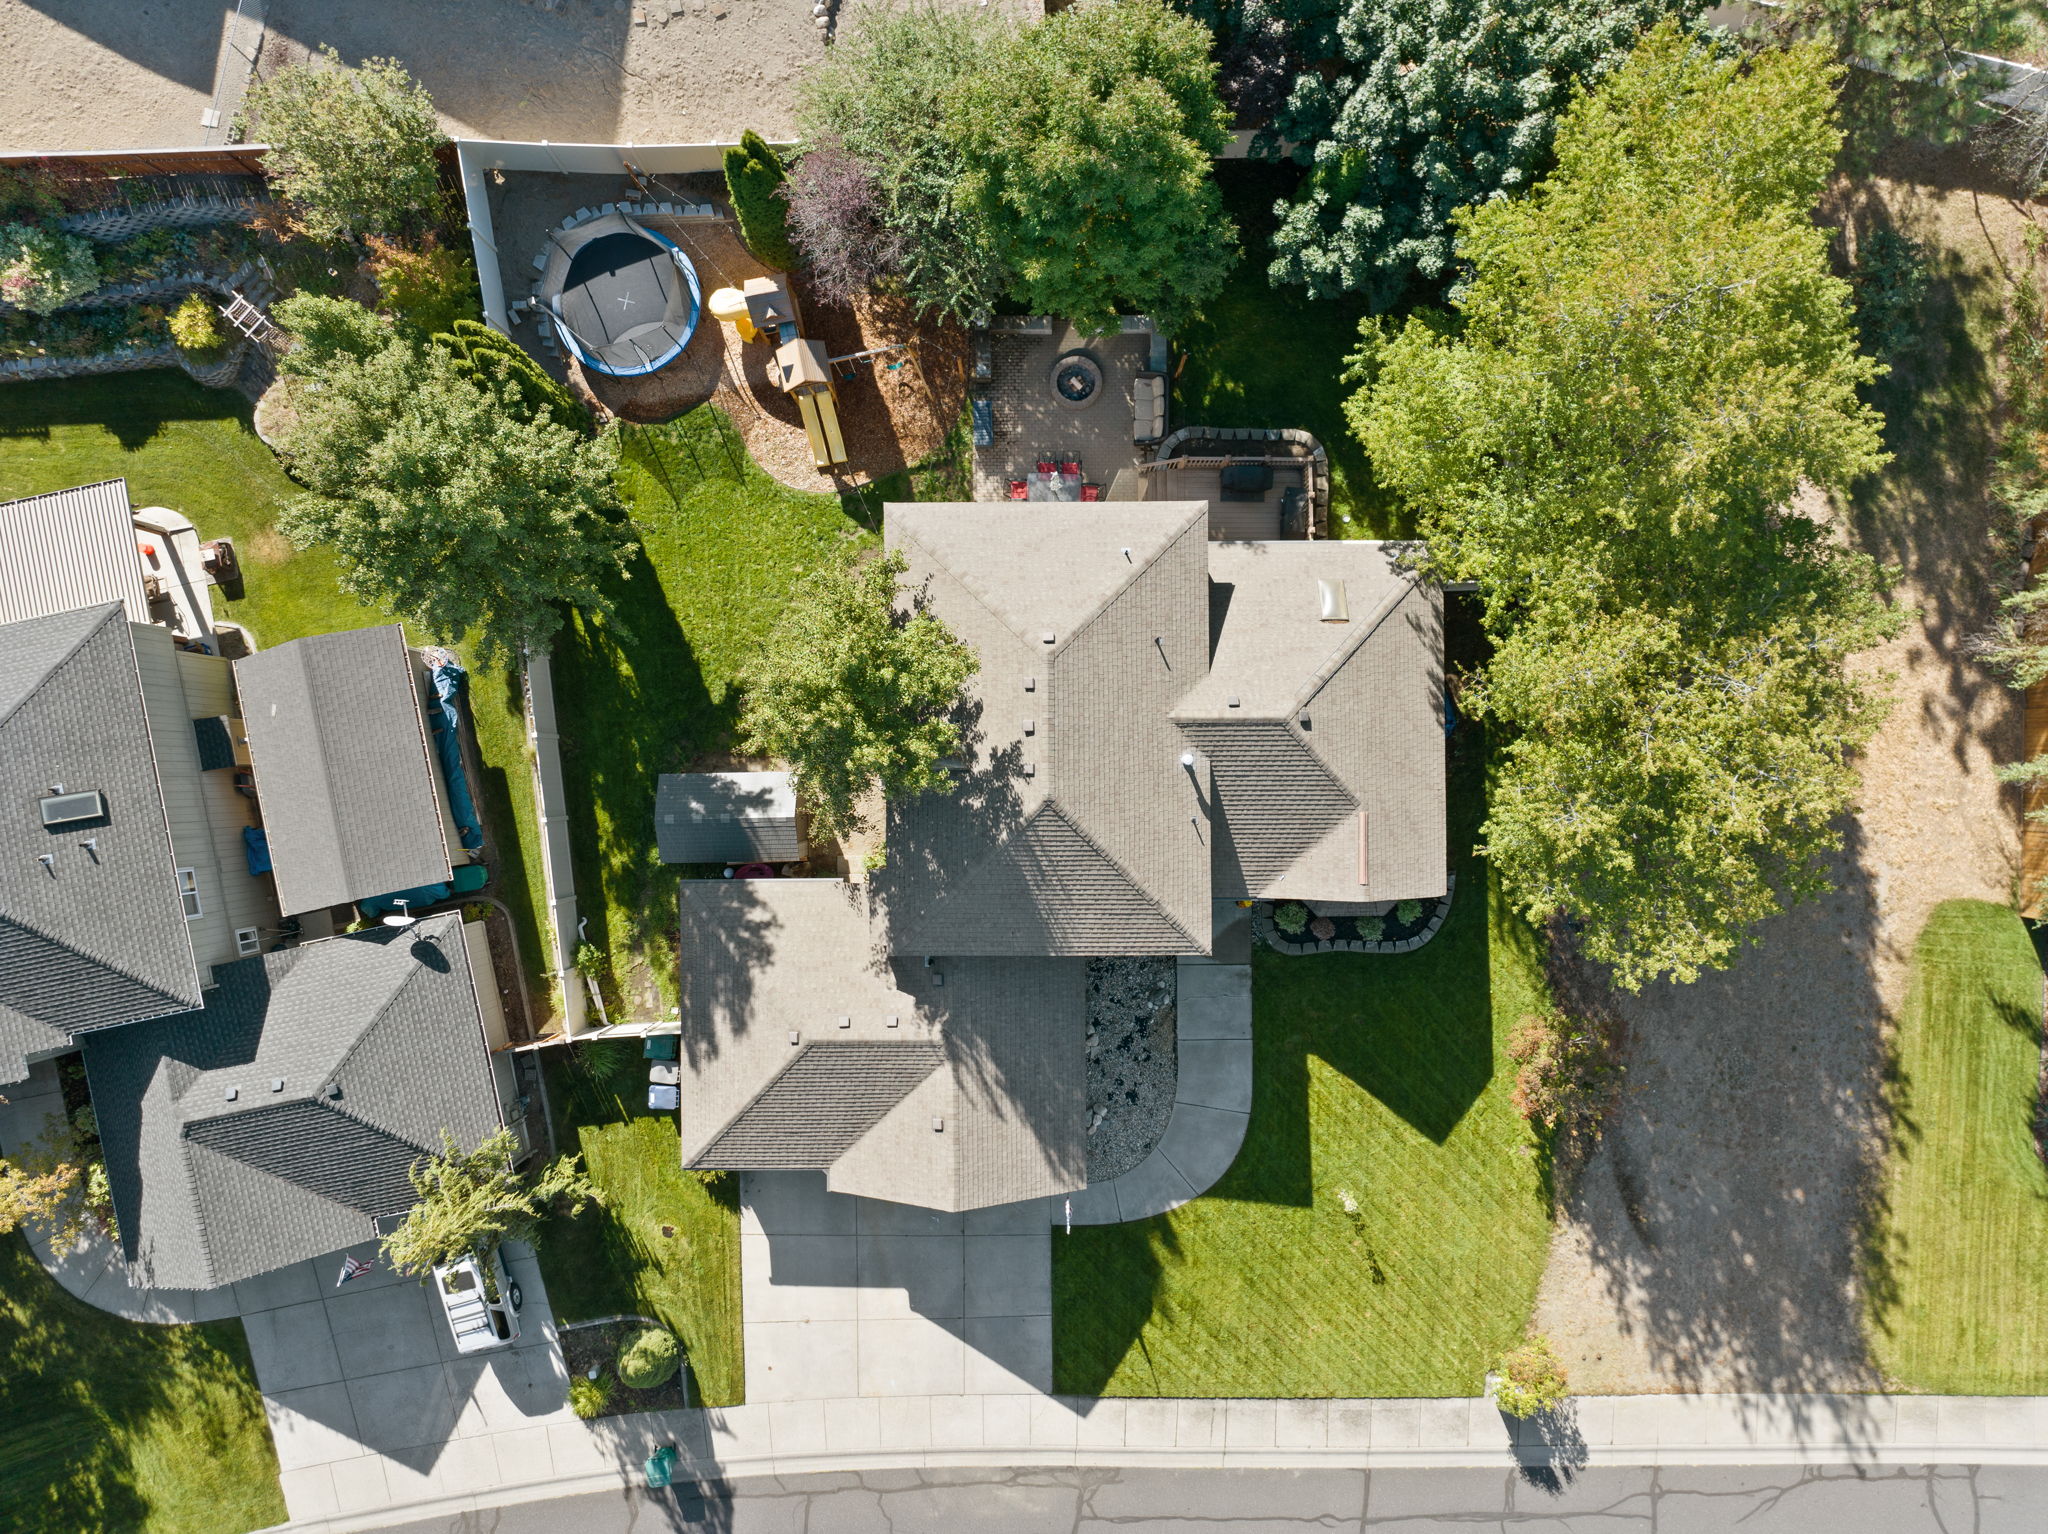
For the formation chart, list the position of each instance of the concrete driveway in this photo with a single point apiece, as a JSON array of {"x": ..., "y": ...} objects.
[
  {"x": 846, "y": 1297},
  {"x": 370, "y": 1403}
]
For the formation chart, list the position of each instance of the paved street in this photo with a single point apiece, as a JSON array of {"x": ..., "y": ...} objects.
[{"x": 1891, "y": 1500}]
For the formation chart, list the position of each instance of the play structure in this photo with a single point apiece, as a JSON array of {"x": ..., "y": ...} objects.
[
  {"x": 764, "y": 309},
  {"x": 623, "y": 298}
]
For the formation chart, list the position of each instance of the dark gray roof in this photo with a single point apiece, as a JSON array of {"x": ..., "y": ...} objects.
[
  {"x": 339, "y": 745},
  {"x": 377, "y": 1040},
  {"x": 991, "y": 1050},
  {"x": 726, "y": 817},
  {"x": 70, "y": 549},
  {"x": 97, "y": 936},
  {"x": 1074, "y": 829}
]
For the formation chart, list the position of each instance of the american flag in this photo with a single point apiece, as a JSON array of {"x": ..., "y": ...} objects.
[{"x": 353, "y": 1267}]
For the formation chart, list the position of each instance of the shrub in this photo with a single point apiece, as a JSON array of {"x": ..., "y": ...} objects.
[
  {"x": 499, "y": 365},
  {"x": 1891, "y": 283},
  {"x": 608, "y": 1064},
  {"x": 429, "y": 290},
  {"x": 40, "y": 270},
  {"x": 589, "y": 1397},
  {"x": 1531, "y": 1379},
  {"x": 195, "y": 329},
  {"x": 754, "y": 176},
  {"x": 1291, "y": 917},
  {"x": 1371, "y": 928},
  {"x": 1408, "y": 912},
  {"x": 1322, "y": 929},
  {"x": 835, "y": 222},
  {"x": 1567, "y": 1069},
  {"x": 648, "y": 1357}
]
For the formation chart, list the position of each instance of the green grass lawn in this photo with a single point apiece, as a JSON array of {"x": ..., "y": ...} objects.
[
  {"x": 1260, "y": 355},
  {"x": 1959, "y": 1263},
  {"x": 193, "y": 449},
  {"x": 615, "y": 1260},
  {"x": 113, "y": 1425},
  {"x": 1383, "y": 1229},
  {"x": 722, "y": 545}
]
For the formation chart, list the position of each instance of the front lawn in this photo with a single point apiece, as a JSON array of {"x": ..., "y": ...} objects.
[
  {"x": 1959, "y": 1259},
  {"x": 1267, "y": 356},
  {"x": 193, "y": 449},
  {"x": 722, "y": 545},
  {"x": 1385, "y": 1225},
  {"x": 666, "y": 1242},
  {"x": 110, "y": 1424}
]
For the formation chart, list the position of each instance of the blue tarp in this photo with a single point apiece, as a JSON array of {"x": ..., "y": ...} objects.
[
  {"x": 446, "y": 716},
  {"x": 256, "y": 848},
  {"x": 415, "y": 899}
]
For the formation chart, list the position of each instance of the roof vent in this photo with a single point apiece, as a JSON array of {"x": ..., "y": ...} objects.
[
  {"x": 62, "y": 809},
  {"x": 1047, "y": 637},
  {"x": 1303, "y": 722},
  {"x": 794, "y": 1036},
  {"x": 1231, "y": 701},
  {"x": 1031, "y": 769},
  {"x": 1031, "y": 727},
  {"x": 846, "y": 1022},
  {"x": 232, "y": 1093},
  {"x": 1031, "y": 684},
  {"x": 938, "y": 1126},
  {"x": 892, "y": 1019},
  {"x": 1336, "y": 607},
  {"x": 1127, "y": 556},
  {"x": 334, "y": 1089},
  {"x": 277, "y": 1083}
]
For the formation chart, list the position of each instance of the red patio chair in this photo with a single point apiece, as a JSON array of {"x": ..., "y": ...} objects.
[
  {"x": 1045, "y": 466},
  {"x": 1091, "y": 492},
  {"x": 1071, "y": 466},
  {"x": 1019, "y": 490}
]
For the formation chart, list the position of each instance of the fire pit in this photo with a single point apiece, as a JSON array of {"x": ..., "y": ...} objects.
[{"x": 1076, "y": 379}]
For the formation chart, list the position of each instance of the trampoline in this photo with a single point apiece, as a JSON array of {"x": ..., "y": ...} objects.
[{"x": 623, "y": 298}]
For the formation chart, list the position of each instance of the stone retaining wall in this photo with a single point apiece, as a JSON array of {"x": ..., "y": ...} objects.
[{"x": 1279, "y": 942}]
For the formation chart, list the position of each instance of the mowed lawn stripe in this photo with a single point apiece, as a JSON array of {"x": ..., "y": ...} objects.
[{"x": 1959, "y": 1267}]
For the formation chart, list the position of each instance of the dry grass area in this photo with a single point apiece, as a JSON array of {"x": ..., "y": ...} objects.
[
  {"x": 895, "y": 410},
  {"x": 1713, "y": 1242}
]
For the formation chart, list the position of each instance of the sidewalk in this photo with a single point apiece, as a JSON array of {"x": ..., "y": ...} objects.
[{"x": 934, "y": 1432}]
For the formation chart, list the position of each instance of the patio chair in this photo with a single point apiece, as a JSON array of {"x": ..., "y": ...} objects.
[
  {"x": 1071, "y": 466},
  {"x": 1019, "y": 490},
  {"x": 1045, "y": 466},
  {"x": 1091, "y": 492},
  {"x": 1148, "y": 407},
  {"x": 984, "y": 415}
]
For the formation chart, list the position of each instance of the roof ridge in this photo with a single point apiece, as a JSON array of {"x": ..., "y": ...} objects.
[
  {"x": 109, "y": 609},
  {"x": 1200, "y": 520},
  {"x": 711, "y": 1141},
  {"x": 1406, "y": 585},
  {"x": 1129, "y": 878},
  {"x": 384, "y": 1007},
  {"x": 909, "y": 536}
]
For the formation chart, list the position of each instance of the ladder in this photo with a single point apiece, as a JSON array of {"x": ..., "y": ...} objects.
[{"x": 247, "y": 318}]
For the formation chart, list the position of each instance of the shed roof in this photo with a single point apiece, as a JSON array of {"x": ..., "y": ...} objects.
[
  {"x": 278, "y": 1122},
  {"x": 70, "y": 549},
  {"x": 96, "y": 936},
  {"x": 726, "y": 817},
  {"x": 339, "y": 745}
]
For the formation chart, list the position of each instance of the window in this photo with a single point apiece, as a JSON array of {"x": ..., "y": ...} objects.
[
  {"x": 247, "y": 941},
  {"x": 188, "y": 891}
]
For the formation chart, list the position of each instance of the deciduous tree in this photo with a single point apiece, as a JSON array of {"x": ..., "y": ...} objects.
[
  {"x": 836, "y": 223},
  {"x": 471, "y": 1201},
  {"x": 1651, "y": 359},
  {"x": 855, "y": 689}
]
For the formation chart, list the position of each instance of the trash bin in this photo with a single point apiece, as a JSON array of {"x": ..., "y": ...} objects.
[{"x": 661, "y": 1467}]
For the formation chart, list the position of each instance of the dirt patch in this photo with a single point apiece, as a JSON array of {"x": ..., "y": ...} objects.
[
  {"x": 1713, "y": 1241},
  {"x": 106, "y": 76}
]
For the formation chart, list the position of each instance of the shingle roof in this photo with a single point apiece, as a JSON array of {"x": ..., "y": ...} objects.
[
  {"x": 1289, "y": 793},
  {"x": 1075, "y": 829},
  {"x": 70, "y": 549},
  {"x": 377, "y": 1040},
  {"x": 990, "y": 1049},
  {"x": 339, "y": 746},
  {"x": 97, "y": 936},
  {"x": 726, "y": 817}
]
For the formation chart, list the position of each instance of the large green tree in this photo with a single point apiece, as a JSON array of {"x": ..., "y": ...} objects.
[
  {"x": 454, "y": 504},
  {"x": 351, "y": 149},
  {"x": 471, "y": 1201},
  {"x": 856, "y": 690},
  {"x": 1408, "y": 110},
  {"x": 1651, "y": 359},
  {"x": 1086, "y": 144}
]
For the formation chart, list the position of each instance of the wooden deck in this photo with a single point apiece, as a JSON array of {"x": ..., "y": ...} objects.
[{"x": 1229, "y": 521}]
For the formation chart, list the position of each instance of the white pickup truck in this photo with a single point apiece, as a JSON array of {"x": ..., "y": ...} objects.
[{"x": 481, "y": 1302}]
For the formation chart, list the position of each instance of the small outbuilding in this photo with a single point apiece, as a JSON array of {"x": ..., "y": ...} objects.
[{"x": 726, "y": 817}]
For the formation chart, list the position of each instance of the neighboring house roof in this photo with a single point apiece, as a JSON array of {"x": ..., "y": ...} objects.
[
  {"x": 379, "y": 1046},
  {"x": 726, "y": 817},
  {"x": 1075, "y": 829},
  {"x": 96, "y": 936},
  {"x": 956, "y": 1086},
  {"x": 1309, "y": 725},
  {"x": 338, "y": 741},
  {"x": 70, "y": 549}
]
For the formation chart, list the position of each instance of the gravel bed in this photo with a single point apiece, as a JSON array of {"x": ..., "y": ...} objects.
[{"x": 1131, "y": 1061}]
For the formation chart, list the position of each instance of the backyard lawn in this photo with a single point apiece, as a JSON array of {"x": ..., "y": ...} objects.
[
  {"x": 114, "y": 1425},
  {"x": 617, "y": 1259},
  {"x": 192, "y": 449},
  {"x": 1260, "y": 355},
  {"x": 722, "y": 545},
  {"x": 1383, "y": 1230},
  {"x": 1959, "y": 1263}
]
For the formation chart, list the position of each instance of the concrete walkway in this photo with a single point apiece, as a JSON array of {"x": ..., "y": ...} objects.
[{"x": 1212, "y": 1101}]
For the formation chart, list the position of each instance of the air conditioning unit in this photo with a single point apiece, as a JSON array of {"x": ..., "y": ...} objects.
[{"x": 70, "y": 809}]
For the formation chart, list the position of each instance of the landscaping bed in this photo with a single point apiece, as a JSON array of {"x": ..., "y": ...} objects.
[
  {"x": 585, "y": 1348},
  {"x": 1131, "y": 1061},
  {"x": 1388, "y": 926}
]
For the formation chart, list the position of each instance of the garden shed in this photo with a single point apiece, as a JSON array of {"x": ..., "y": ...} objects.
[{"x": 726, "y": 817}]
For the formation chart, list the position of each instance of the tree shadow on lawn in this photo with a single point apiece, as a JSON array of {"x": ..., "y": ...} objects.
[{"x": 112, "y": 403}]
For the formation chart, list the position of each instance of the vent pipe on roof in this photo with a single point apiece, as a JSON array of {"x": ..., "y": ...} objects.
[{"x": 1336, "y": 608}]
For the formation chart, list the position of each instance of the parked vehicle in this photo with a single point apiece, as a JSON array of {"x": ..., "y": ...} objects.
[{"x": 482, "y": 1303}]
